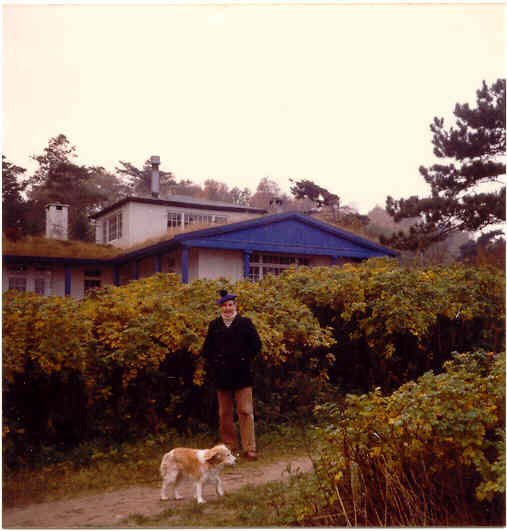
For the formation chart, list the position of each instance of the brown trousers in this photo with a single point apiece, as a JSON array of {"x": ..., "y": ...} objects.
[{"x": 244, "y": 407}]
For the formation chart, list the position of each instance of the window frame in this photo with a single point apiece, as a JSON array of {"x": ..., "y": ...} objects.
[
  {"x": 18, "y": 279},
  {"x": 262, "y": 264},
  {"x": 113, "y": 227}
]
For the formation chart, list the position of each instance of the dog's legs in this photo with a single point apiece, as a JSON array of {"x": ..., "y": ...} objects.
[
  {"x": 177, "y": 495},
  {"x": 218, "y": 486},
  {"x": 198, "y": 491},
  {"x": 170, "y": 478}
]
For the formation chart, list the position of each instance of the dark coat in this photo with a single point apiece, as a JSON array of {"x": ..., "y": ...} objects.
[{"x": 229, "y": 352}]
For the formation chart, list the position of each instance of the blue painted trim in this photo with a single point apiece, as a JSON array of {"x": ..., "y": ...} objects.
[
  {"x": 68, "y": 280},
  {"x": 116, "y": 275},
  {"x": 287, "y": 249},
  {"x": 246, "y": 263},
  {"x": 158, "y": 263},
  {"x": 184, "y": 265}
]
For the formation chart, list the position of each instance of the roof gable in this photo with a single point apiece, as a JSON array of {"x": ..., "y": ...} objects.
[{"x": 289, "y": 232}]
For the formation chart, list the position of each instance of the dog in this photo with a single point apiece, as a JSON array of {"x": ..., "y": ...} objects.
[{"x": 202, "y": 466}]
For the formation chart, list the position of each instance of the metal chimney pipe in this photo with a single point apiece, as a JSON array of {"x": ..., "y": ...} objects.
[{"x": 155, "y": 175}]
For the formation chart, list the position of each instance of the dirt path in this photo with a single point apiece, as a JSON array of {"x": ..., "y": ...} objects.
[{"x": 110, "y": 508}]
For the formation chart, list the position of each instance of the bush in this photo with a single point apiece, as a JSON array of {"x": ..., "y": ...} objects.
[
  {"x": 432, "y": 453},
  {"x": 392, "y": 323},
  {"x": 125, "y": 361}
]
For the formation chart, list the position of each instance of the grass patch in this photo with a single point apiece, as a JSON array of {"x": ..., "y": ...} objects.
[
  {"x": 274, "y": 504},
  {"x": 40, "y": 246},
  {"x": 90, "y": 469}
]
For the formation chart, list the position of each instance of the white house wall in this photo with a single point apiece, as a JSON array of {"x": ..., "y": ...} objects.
[
  {"x": 146, "y": 221},
  {"x": 319, "y": 261},
  {"x": 193, "y": 264},
  {"x": 220, "y": 263},
  {"x": 142, "y": 221}
]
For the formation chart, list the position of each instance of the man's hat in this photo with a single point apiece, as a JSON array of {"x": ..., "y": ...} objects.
[{"x": 224, "y": 296}]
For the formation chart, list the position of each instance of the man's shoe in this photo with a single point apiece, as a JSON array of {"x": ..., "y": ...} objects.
[{"x": 251, "y": 456}]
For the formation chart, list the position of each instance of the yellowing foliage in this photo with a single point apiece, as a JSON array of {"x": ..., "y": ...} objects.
[
  {"x": 127, "y": 358},
  {"x": 434, "y": 439}
]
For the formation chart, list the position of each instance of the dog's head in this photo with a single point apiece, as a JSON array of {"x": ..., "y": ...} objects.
[{"x": 220, "y": 455}]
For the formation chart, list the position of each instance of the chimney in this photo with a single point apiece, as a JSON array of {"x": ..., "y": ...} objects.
[
  {"x": 57, "y": 221},
  {"x": 155, "y": 175}
]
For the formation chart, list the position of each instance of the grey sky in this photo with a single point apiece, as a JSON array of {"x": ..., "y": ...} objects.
[{"x": 342, "y": 94}]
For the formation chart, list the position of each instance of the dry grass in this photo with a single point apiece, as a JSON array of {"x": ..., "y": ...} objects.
[
  {"x": 174, "y": 231},
  {"x": 39, "y": 246}
]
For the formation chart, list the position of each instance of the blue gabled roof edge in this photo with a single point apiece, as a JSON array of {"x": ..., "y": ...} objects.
[{"x": 274, "y": 218}]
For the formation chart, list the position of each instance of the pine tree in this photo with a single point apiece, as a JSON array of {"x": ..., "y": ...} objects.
[
  {"x": 139, "y": 179},
  {"x": 13, "y": 204},
  {"x": 462, "y": 188},
  {"x": 59, "y": 178}
]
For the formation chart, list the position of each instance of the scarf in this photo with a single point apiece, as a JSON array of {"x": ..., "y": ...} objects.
[{"x": 228, "y": 320}]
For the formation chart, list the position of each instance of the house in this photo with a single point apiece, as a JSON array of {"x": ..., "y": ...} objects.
[{"x": 139, "y": 236}]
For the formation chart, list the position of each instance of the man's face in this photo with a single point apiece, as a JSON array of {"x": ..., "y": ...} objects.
[{"x": 228, "y": 308}]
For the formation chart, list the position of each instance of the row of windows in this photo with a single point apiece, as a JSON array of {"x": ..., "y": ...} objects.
[
  {"x": 273, "y": 264},
  {"x": 41, "y": 286},
  {"x": 21, "y": 283},
  {"x": 260, "y": 266},
  {"x": 113, "y": 226},
  {"x": 182, "y": 219}
]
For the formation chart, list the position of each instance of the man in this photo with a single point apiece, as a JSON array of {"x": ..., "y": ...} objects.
[{"x": 231, "y": 344}]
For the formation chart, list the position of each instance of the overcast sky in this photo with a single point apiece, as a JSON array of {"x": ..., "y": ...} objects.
[{"x": 342, "y": 94}]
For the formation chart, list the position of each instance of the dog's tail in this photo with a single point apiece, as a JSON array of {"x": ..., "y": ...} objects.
[{"x": 166, "y": 460}]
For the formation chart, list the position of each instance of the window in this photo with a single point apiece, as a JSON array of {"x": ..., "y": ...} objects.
[
  {"x": 18, "y": 283},
  {"x": 93, "y": 282},
  {"x": 274, "y": 264},
  {"x": 177, "y": 219},
  {"x": 114, "y": 227},
  {"x": 40, "y": 286},
  {"x": 174, "y": 219}
]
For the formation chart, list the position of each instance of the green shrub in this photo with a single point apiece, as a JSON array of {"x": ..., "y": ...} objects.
[
  {"x": 431, "y": 453},
  {"x": 125, "y": 360}
]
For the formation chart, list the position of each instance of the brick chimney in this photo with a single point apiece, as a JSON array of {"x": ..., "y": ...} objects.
[
  {"x": 57, "y": 221},
  {"x": 155, "y": 175}
]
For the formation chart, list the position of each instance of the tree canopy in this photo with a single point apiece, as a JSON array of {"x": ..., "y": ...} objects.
[
  {"x": 468, "y": 187},
  {"x": 139, "y": 179},
  {"x": 59, "y": 178},
  {"x": 308, "y": 189},
  {"x": 13, "y": 205}
]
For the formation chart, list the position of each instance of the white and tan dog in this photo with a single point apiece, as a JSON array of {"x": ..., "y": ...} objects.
[{"x": 203, "y": 466}]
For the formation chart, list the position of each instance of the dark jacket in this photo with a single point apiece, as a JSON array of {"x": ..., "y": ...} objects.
[{"x": 229, "y": 352}]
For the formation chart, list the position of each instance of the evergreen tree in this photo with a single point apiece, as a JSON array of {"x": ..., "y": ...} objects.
[
  {"x": 13, "y": 205},
  {"x": 308, "y": 189},
  {"x": 59, "y": 178},
  {"x": 139, "y": 179},
  {"x": 474, "y": 149}
]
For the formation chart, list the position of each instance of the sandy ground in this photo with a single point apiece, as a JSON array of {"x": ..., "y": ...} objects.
[{"x": 110, "y": 508}]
